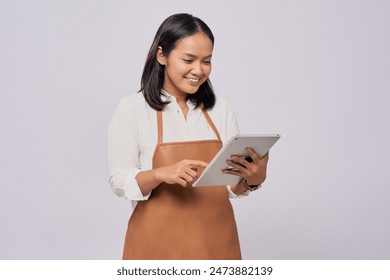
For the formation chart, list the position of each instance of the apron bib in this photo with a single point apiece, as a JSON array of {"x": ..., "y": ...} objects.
[{"x": 183, "y": 222}]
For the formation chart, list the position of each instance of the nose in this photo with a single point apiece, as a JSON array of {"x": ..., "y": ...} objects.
[{"x": 197, "y": 70}]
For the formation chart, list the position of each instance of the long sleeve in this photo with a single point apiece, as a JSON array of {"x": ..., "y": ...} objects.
[
  {"x": 232, "y": 129},
  {"x": 231, "y": 122},
  {"x": 123, "y": 151}
]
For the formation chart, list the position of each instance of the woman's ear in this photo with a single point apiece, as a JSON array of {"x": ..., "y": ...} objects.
[{"x": 160, "y": 56}]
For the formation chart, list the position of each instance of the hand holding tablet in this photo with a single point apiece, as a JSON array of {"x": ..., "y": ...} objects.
[{"x": 236, "y": 158}]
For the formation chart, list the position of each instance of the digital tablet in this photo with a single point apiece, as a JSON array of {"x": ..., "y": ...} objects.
[{"x": 213, "y": 176}]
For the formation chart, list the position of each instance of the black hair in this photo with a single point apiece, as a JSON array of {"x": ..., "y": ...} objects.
[{"x": 174, "y": 28}]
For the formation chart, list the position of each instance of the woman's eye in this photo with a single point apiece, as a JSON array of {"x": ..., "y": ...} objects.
[
  {"x": 207, "y": 62},
  {"x": 187, "y": 60}
]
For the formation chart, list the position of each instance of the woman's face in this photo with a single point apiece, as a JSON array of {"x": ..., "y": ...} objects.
[{"x": 188, "y": 65}]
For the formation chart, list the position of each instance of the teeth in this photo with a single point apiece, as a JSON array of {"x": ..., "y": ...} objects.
[{"x": 193, "y": 80}]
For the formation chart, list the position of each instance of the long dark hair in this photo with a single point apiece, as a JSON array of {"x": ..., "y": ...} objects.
[{"x": 174, "y": 28}]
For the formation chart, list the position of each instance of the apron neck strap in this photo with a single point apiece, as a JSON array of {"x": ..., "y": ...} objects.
[
  {"x": 160, "y": 125},
  {"x": 211, "y": 123}
]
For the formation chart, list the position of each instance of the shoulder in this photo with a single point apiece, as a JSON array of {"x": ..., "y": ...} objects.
[
  {"x": 222, "y": 112},
  {"x": 222, "y": 105},
  {"x": 133, "y": 100},
  {"x": 129, "y": 107}
]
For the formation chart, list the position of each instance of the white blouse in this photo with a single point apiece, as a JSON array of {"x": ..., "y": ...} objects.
[{"x": 132, "y": 137}]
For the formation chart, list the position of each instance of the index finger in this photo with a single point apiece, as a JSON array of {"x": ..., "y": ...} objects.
[
  {"x": 197, "y": 163},
  {"x": 266, "y": 156},
  {"x": 252, "y": 154}
]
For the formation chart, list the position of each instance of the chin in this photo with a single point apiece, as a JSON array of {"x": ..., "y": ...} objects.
[
  {"x": 194, "y": 88},
  {"x": 191, "y": 90}
]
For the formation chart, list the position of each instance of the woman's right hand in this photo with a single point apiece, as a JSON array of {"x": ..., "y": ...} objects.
[{"x": 182, "y": 172}]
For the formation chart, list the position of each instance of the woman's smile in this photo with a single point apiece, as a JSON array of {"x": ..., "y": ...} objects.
[{"x": 193, "y": 80}]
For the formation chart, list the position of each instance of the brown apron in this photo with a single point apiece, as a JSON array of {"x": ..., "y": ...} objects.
[{"x": 183, "y": 223}]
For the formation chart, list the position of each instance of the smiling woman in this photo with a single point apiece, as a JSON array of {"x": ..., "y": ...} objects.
[
  {"x": 161, "y": 139},
  {"x": 175, "y": 49},
  {"x": 187, "y": 67}
]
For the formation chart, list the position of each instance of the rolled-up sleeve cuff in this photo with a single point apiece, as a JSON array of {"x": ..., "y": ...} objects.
[
  {"x": 125, "y": 185},
  {"x": 233, "y": 195}
]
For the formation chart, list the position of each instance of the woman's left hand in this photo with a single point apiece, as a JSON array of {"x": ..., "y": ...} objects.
[{"x": 254, "y": 172}]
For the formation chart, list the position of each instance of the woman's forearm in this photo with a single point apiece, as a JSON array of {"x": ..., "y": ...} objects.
[
  {"x": 147, "y": 181},
  {"x": 238, "y": 189}
]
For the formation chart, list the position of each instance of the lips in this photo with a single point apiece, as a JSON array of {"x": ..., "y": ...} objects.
[{"x": 193, "y": 80}]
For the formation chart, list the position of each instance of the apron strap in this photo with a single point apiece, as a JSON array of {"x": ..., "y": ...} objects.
[
  {"x": 160, "y": 125},
  {"x": 211, "y": 123}
]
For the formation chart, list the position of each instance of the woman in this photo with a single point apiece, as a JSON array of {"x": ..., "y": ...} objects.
[{"x": 160, "y": 139}]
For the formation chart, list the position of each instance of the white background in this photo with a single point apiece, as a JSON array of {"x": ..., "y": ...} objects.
[{"x": 316, "y": 72}]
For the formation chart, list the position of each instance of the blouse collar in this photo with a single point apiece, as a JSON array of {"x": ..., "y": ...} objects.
[{"x": 168, "y": 97}]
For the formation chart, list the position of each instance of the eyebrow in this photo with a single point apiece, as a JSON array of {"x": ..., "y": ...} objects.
[{"x": 194, "y": 56}]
